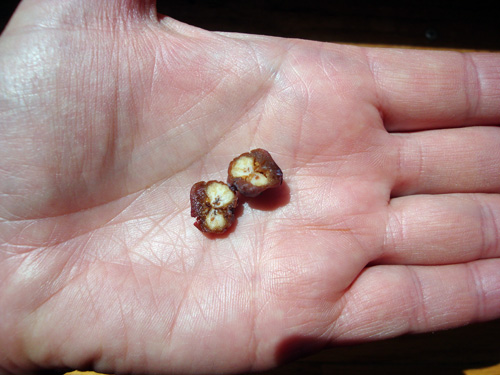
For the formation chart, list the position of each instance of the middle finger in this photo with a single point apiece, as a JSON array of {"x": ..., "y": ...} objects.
[{"x": 462, "y": 160}]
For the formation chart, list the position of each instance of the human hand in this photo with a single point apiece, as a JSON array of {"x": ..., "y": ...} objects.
[{"x": 388, "y": 222}]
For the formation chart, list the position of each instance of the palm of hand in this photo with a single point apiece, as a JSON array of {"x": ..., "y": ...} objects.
[{"x": 126, "y": 120}]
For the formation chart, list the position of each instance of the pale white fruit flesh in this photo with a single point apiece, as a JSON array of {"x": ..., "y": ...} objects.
[
  {"x": 244, "y": 168},
  {"x": 215, "y": 221},
  {"x": 219, "y": 195}
]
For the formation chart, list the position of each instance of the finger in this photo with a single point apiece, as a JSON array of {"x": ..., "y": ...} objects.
[
  {"x": 448, "y": 161},
  {"x": 387, "y": 301},
  {"x": 441, "y": 229},
  {"x": 425, "y": 90}
]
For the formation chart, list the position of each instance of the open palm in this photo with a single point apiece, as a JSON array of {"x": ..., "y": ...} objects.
[{"x": 388, "y": 221}]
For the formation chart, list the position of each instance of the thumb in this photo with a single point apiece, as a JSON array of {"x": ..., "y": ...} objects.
[{"x": 86, "y": 13}]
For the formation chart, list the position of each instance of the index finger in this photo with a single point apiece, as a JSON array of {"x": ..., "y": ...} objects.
[{"x": 419, "y": 90}]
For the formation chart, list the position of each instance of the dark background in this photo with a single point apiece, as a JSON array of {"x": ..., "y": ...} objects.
[
  {"x": 423, "y": 23},
  {"x": 435, "y": 24}
]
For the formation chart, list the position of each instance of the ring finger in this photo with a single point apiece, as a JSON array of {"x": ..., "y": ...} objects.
[{"x": 441, "y": 229}]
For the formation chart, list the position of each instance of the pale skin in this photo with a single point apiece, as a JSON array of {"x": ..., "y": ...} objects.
[{"x": 388, "y": 221}]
